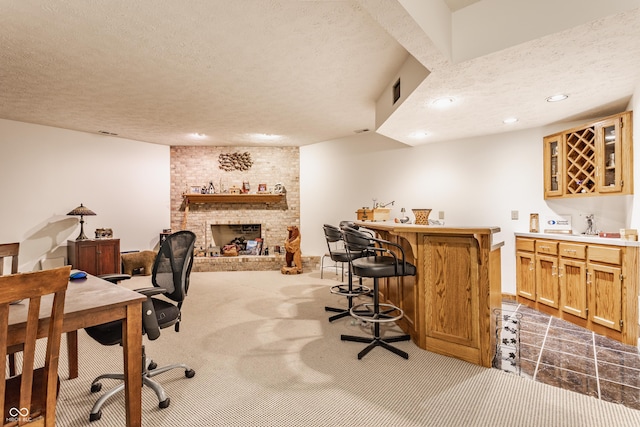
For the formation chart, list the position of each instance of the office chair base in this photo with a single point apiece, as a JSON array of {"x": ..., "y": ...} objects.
[{"x": 163, "y": 399}]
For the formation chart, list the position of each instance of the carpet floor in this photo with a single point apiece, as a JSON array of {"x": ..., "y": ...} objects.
[{"x": 265, "y": 355}]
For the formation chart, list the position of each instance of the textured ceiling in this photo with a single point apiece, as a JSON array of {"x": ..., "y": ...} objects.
[{"x": 159, "y": 70}]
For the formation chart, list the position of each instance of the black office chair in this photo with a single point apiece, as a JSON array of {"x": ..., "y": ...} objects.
[
  {"x": 170, "y": 278},
  {"x": 333, "y": 235},
  {"x": 376, "y": 261}
]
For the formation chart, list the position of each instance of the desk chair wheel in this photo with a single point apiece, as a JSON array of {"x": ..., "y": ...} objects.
[
  {"x": 164, "y": 403},
  {"x": 96, "y": 416},
  {"x": 96, "y": 387},
  {"x": 189, "y": 373}
]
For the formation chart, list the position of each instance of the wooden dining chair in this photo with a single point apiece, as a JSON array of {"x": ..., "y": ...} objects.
[
  {"x": 11, "y": 251},
  {"x": 30, "y": 398}
]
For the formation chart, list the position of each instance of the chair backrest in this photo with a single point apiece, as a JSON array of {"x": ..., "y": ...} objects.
[
  {"x": 172, "y": 266},
  {"x": 355, "y": 240},
  {"x": 9, "y": 250},
  {"x": 332, "y": 234},
  {"x": 23, "y": 391}
]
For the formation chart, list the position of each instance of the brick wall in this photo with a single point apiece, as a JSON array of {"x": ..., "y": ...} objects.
[{"x": 197, "y": 166}]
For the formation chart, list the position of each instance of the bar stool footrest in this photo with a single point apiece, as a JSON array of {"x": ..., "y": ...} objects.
[
  {"x": 344, "y": 290},
  {"x": 386, "y": 313}
]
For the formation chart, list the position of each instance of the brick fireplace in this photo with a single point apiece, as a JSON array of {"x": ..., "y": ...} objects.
[{"x": 198, "y": 166}]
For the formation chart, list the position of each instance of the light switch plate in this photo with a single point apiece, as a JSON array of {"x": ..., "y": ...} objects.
[{"x": 514, "y": 215}]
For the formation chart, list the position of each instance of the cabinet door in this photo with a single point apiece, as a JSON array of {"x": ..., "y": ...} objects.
[
  {"x": 109, "y": 257},
  {"x": 452, "y": 299},
  {"x": 526, "y": 275},
  {"x": 609, "y": 159},
  {"x": 605, "y": 295},
  {"x": 553, "y": 171},
  {"x": 573, "y": 287},
  {"x": 87, "y": 258},
  {"x": 547, "y": 280}
]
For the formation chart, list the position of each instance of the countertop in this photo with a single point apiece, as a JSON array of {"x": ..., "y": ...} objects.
[{"x": 580, "y": 238}]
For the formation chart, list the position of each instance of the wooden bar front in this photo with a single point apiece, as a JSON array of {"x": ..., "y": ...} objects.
[{"x": 449, "y": 304}]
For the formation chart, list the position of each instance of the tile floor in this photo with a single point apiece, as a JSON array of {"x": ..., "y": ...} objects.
[{"x": 564, "y": 355}]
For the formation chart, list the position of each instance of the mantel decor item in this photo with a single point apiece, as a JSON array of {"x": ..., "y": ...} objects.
[
  {"x": 81, "y": 211},
  {"x": 422, "y": 216}
]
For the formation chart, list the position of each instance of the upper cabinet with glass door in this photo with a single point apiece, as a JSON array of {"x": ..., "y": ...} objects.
[
  {"x": 594, "y": 159},
  {"x": 552, "y": 165},
  {"x": 613, "y": 139}
]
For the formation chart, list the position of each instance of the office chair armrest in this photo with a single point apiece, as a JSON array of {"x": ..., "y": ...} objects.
[
  {"x": 115, "y": 277},
  {"x": 150, "y": 325},
  {"x": 150, "y": 291}
]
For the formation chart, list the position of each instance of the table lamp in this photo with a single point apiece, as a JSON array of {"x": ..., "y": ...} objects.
[{"x": 82, "y": 211}]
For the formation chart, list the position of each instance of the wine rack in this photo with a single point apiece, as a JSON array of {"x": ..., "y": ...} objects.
[{"x": 581, "y": 161}]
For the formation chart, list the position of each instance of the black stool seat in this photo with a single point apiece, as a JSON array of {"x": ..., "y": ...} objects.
[
  {"x": 377, "y": 260},
  {"x": 381, "y": 266}
]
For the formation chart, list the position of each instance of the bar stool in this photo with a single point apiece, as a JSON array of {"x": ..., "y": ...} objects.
[
  {"x": 333, "y": 235},
  {"x": 376, "y": 261}
]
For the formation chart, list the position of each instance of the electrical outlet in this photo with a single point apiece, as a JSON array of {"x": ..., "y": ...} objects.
[
  {"x": 514, "y": 215},
  {"x": 441, "y": 215}
]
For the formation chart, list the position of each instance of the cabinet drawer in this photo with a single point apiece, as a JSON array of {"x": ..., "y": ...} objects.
[
  {"x": 573, "y": 250},
  {"x": 546, "y": 247},
  {"x": 605, "y": 254},
  {"x": 525, "y": 244}
]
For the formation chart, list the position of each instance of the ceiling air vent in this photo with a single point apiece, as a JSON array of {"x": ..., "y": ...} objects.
[{"x": 396, "y": 92}]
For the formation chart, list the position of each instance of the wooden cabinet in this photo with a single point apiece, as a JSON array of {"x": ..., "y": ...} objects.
[
  {"x": 95, "y": 256},
  {"x": 572, "y": 274},
  {"x": 592, "y": 285},
  {"x": 593, "y": 159},
  {"x": 604, "y": 280},
  {"x": 526, "y": 274}
]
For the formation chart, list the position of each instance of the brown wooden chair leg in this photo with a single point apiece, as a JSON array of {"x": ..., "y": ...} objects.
[{"x": 72, "y": 351}]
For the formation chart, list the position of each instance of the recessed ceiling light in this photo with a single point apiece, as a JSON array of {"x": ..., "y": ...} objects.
[
  {"x": 558, "y": 97},
  {"x": 419, "y": 134},
  {"x": 510, "y": 120},
  {"x": 443, "y": 102},
  {"x": 265, "y": 136}
]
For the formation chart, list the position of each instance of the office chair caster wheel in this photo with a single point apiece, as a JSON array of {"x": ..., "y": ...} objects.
[
  {"x": 96, "y": 416},
  {"x": 96, "y": 388},
  {"x": 189, "y": 373},
  {"x": 164, "y": 403}
]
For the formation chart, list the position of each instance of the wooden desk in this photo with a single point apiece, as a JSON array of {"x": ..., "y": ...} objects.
[
  {"x": 449, "y": 304},
  {"x": 89, "y": 302}
]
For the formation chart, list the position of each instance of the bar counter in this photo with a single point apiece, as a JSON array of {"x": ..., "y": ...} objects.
[{"x": 448, "y": 306}]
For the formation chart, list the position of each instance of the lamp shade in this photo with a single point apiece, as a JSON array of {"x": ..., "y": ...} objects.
[{"x": 81, "y": 210}]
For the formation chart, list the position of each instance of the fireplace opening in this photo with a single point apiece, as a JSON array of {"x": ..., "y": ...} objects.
[{"x": 237, "y": 239}]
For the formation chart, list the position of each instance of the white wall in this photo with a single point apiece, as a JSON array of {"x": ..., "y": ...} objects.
[
  {"x": 45, "y": 172},
  {"x": 476, "y": 181}
]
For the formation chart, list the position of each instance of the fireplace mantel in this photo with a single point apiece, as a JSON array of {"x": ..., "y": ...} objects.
[
  {"x": 266, "y": 199},
  {"x": 232, "y": 198}
]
